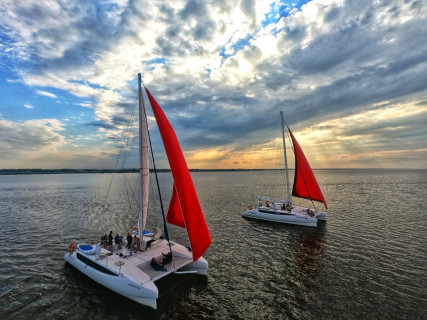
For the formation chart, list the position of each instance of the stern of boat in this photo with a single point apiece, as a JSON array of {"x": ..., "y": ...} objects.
[
  {"x": 321, "y": 216},
  {"x": 198, "y": 267}
]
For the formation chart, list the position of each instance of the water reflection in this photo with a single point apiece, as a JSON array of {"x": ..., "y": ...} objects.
[{"x": 310, "y": 254}]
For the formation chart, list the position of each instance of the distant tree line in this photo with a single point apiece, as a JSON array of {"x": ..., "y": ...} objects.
[{"x": 63, "y": 171}]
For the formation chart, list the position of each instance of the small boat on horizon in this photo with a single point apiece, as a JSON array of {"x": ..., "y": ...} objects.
[
  {"x": 132, "y": 272},
  {"x": 305, "y": 186}
]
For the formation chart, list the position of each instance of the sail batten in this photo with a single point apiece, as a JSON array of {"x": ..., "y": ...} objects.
[
  {"x": 305, "y": 183},
  {"x": 184, "y": 208}
]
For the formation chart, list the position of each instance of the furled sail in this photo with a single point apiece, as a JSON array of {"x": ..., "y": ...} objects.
[
  {"x": 305, "y": 183},
  {"x": 145, "y": 164},
  {"x": 184, "y": 209}
]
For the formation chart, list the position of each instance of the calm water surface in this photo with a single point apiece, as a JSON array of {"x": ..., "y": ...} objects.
[{"x": 369, "y": 261}]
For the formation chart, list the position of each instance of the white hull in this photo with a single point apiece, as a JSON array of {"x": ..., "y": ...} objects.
[
  {"x": 133, "y": 277},
  {"x": 296, "y": 216}
]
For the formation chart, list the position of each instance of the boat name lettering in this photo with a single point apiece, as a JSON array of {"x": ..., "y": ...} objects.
[{"x": 135, "y": 286}]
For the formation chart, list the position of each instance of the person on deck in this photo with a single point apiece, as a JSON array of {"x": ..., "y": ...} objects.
[
  {"x": 110, "y": 238},
  {"x": 118, "y": 239},
  {"x": 167, "y": 258},
  {"x": 129, "y": 240},
  {"x": 104, "y": 241},
  {"x": 157, "y": 266},
  {"x": 136, "y": 244},
  {"x": 259, "y": 203}
]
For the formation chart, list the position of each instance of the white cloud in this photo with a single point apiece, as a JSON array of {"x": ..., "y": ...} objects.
[
  {"x": 28, "y": 106},
  {"x": 45, "y": 93}
]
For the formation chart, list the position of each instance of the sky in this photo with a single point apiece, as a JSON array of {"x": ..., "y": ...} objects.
[{"x": 350, "y": 77}]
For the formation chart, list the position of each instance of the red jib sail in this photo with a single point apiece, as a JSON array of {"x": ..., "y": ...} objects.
[
  {"x": 184, "y": 208},
  {"x": 305, "y": 183}
]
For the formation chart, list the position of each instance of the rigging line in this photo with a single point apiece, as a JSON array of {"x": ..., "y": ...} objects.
[
  {"x": 128, "y": 136},
  {"x": 158, "y": 186},
  {"x": 127, "y": 192},
  {"x": 118, "y": 157}
]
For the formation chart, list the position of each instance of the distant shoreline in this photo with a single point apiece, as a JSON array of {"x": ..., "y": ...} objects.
[{"x": 73, "y": 171}]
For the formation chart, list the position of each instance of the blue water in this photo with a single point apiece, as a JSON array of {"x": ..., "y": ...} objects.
[{"x": 369, "y": 261}]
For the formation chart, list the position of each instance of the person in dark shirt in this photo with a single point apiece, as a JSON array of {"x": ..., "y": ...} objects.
[
  {"x": 129, "y": 240},
  {"x": 110, "y": 238},
  {"x": 157, "y": 266},
  {"x": 167, "y": 258}
]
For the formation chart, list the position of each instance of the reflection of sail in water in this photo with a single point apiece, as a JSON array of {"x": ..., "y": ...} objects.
[{"x": 309, "y": 256}]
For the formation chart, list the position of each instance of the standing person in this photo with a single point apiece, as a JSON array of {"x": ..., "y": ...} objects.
[
  {"x": 136, "y": 244},
  {"x": 129, "y": 239},
  {"x": 110, "y": 238}
]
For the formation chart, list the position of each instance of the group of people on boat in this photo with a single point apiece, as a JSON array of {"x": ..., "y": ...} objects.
[
  {"x": 132, "y": 242},
  {"x": 284, "y": 206}
]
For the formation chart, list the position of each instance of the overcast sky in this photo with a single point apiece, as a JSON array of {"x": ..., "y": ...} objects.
[{"x": 350, "y": 76}]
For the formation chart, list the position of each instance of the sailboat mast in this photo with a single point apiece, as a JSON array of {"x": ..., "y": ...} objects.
[
  {"x": 286, "y": 159},
  {"x": 140, "y": 104}
]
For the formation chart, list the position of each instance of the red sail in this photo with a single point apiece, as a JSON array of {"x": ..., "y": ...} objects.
[
  {"x": 185, "y": 210},
  {"x": 305, "y": 183}
]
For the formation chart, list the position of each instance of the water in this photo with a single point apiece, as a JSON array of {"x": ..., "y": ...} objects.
[{"x": 369, "y": 261}]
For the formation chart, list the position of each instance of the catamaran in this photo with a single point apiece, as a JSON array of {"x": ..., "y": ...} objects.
[
  {"x": 305, "y": 186},
  {"x": 133, "y": 273}
]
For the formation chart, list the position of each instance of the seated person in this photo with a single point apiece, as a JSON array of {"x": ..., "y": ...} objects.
[
  {"x": 157, "y": 266},
  {"x": 103, "y": 241},
  {"x": 149, "y": 242},
  {"x": 118, "y": 239},
  {"x": 167, "y": 258}
]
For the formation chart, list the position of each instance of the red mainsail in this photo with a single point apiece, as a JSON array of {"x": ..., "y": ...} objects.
[
  {"x": 184, "y": 208},
  {"x": 305, "y": 183}
]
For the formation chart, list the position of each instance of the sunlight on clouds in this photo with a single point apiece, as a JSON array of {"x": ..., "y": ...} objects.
[
  {"x": 27, "y": 140},
  {"x": 42, "y": 144},
  {"x": 260, "y": 156},
  {"x": 353, "y": 140},
  {"x": 346, "y": 142}
]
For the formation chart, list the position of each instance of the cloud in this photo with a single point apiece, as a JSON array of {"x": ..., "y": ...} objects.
[
  {"x": 47, "y": 94},
  {"x": 28, "y": 106},
  {"x": 26, "y": 140},
  {"x": 222, "y": 70}
]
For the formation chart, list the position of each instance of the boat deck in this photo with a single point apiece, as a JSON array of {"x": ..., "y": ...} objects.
[{"x": 138, "y": 265}]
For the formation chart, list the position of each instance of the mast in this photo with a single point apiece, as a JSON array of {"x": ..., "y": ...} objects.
[
  {"x": 140, "y": 104},
  {"x": 286, "y": 159}
]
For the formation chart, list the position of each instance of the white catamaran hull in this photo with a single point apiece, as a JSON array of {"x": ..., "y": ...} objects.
[
  {"x": 133, "y": 277},
  {"x": 145, "y": 294},
  {"x": 282, "y": 216}
]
